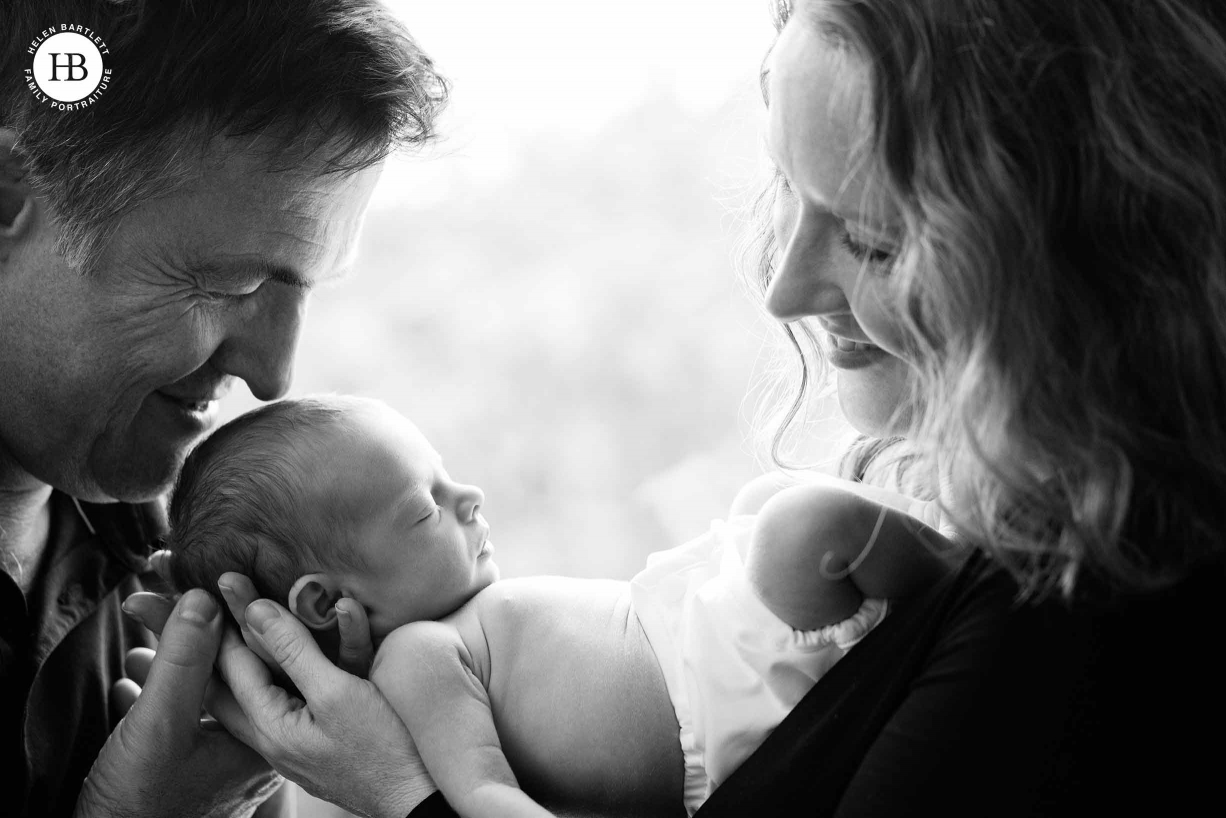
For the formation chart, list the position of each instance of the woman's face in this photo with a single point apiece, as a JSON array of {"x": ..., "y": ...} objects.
[{"x": 835, "y": 244}]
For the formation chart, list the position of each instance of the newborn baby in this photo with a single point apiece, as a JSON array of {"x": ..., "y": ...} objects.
[{"x": 631, "y": 698}]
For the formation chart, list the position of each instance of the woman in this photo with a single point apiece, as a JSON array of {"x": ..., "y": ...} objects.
[
  {"x": 1003, "y": 223},
  {"x": 1015, "y": 212}
]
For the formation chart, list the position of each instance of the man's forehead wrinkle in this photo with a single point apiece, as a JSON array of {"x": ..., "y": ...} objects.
[
  {"x": 320, "y": 259},
  {"x": 298, "y": 238},
  {"x": 152, "y": 251},
  {"x": 301, "y": 204}
]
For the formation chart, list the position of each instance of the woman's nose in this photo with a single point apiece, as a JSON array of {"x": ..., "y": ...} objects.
[
  {"x": 804, "y": 282},
  {"x": 469, "y": 500}
]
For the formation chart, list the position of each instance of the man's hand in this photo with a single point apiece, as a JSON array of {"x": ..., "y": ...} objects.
[
  {"x": 344, "y": 743},
  {"x": 161, "y": 760},
  {"x": 356, "y": 649}
]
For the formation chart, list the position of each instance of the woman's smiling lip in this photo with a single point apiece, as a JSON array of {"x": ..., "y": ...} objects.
[{"x": 845, "y": 353}]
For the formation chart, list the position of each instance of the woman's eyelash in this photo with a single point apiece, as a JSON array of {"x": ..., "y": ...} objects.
[{"x": 873, "y": 255}]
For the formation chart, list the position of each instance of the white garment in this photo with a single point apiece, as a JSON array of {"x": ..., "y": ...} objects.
[{"x": 734, "y": 670}]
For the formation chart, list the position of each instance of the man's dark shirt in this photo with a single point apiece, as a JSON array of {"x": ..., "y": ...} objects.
[
  {"x": 962, "y": 703},
  {"x": 63, "y": 646}
]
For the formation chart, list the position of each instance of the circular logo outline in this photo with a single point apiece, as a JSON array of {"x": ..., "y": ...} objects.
[{"x": 67, "y": 69}]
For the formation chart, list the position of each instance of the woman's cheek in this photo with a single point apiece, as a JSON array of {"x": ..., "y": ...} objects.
[{"x": 878, "y": 312}]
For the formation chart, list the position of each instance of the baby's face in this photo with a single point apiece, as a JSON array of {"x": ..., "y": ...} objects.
[{"x": 421, "y": 533}]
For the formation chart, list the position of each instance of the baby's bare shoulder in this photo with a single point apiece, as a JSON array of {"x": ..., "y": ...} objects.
[
  {"x": 545, "y": 603},
  {"x": 553, "y": 620}
]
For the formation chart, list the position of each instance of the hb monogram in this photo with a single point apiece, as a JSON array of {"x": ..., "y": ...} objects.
[{"x": 71, "y": 65}]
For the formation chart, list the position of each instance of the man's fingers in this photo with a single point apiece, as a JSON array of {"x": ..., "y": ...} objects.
[
  {"x": 124, "y": 694},
  {"x": 236, "y": 661},
  {"x": 293, "y": 649},
  {"x": 172, "y": 696},
  {"x": 247, "y": 700},
  {"x": 136, "y": 665},
  {"x": 239, "y": 592},
  {"x": 240, "y": 667},
  {"x": 150, "y": 609},
  {"x": 356, "y": 652}
]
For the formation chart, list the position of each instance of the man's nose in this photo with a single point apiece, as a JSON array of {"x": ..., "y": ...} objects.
[
  {"x": 469, "y": 500},
  {"x": 804, "y": 282},
  {"x": 260, "y": 349}
]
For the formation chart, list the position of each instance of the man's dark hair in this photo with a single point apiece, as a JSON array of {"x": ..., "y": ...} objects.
[
  {"x": 248, "y": 500},
  {"x": 340, "y": 81}
]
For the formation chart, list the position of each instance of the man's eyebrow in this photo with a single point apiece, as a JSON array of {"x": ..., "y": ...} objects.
[{"x": 258, "y": 268}]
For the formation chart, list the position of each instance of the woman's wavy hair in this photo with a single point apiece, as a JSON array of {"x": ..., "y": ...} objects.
[{"x": 1062, "y": 182}]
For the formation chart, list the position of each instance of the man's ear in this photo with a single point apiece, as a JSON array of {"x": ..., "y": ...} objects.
[
  {"x": 16, "y": 196},
  {"x": 313, "y": 600}
]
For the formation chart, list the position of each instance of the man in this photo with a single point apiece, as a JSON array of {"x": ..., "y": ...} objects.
[{"x": 156, "y": 246}]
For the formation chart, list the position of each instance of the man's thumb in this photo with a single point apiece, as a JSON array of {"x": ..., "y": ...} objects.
[{"x": 172, "y": 695}]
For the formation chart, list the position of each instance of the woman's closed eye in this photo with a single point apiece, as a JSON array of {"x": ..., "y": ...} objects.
[
  {"x": 865, "y": 252},
  {"x": 873, "y": 255}
]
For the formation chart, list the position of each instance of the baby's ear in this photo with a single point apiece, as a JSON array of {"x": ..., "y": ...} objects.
[{"x": 313, "y": 600}]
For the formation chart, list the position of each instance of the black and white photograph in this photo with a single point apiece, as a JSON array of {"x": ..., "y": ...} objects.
[{"x": 528, "y": 408}]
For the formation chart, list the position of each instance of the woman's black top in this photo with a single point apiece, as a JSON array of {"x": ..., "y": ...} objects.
[{"x": 963, "y": 702}]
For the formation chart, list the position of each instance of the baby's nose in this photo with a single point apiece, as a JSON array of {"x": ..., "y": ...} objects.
[{"x": 471, "y": 500}]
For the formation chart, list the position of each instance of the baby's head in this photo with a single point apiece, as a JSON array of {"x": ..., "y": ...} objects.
[{"x": 320, "y": 498}]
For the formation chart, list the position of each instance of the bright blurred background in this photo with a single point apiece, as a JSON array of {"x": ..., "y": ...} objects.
[{"x": 550, "y": 293}]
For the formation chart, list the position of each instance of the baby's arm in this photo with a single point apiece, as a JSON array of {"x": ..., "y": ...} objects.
[
  {"x": 807, "y": 537},
  {"x": 426, "y": 672}
]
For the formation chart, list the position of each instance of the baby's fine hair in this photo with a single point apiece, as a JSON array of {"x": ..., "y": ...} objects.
[{"x": 243, "y": 501}]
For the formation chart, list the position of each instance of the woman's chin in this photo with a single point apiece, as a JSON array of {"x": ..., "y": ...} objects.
[{"x": 872, "y": 398}]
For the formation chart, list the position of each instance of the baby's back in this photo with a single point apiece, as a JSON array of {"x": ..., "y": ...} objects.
[{"x": 578, "y": 699}]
